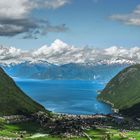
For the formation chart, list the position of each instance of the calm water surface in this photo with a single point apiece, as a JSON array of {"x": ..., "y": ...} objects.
[{"x": 66, "y": 96}]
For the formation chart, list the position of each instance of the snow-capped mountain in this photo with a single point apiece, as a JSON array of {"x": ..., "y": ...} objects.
[
  {"x": 61, "y": 53},
  {"x": 73, "y": 71},
  {"x": 63, "y": 61}
]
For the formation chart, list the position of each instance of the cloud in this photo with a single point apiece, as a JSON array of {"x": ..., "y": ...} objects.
[
  {"x": 16, "y": 18},
  {"x": 61, "y": 53},
  {"x": 132, "y": 18},
  {"x": 9, "y": 53},
  {"x": 16, "y": 9},
  {"x": 42, "y": 27},
  {"x": 48, "y": 3},
  {"x": 12, "y": 27},
  {"x": 21, "y": 8}
]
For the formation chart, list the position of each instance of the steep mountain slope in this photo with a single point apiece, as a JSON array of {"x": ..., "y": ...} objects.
[
  {"x": 123, "y": 91},
  {"x": 13, "y": 100}
]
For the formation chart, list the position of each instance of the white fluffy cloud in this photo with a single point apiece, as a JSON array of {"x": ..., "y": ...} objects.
[
  {"x": 9, "y": 55},
  {"x": 20, "y": 8},
  {"x": 13, "y": 8},
  {"x": 61, "y": 53},
  {"x": 132, "y": 18}
]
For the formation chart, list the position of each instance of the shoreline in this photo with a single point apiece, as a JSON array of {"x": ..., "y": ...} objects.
[
  {"x": 114, "y": 110},
  {"x": 67, "y": 114}
]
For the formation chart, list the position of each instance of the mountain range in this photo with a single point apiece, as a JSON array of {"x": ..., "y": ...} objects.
[
  {"x": 71, "y": 71},
  {"x": 62, "y": 61}
]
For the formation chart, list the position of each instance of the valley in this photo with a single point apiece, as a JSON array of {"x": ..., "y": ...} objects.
[{"x": 69, "y": 69}]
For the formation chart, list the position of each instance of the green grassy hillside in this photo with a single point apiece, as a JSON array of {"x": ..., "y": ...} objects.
[
  {"x": 123, "y": 91},
  {"x": 13, "y": 100}
]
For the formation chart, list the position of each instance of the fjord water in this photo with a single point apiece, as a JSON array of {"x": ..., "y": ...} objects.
[{"x": 66, "y": 96}]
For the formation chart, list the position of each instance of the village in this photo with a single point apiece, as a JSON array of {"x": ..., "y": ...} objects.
[
  {"x": 75, "y": 125},
  {"x": 64, "y": 124}
]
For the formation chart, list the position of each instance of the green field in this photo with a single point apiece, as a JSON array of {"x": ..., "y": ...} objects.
[
  {"x": 112, "y": 134},
  {"x": 33, "y": 131}
]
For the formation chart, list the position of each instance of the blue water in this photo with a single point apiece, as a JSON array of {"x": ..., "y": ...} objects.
[{"x": 66, "y": 96}]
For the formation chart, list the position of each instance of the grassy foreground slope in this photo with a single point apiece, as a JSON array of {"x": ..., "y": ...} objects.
[
  {"x": 12, "y": 100},
  {"x": 123, "y": 91}
]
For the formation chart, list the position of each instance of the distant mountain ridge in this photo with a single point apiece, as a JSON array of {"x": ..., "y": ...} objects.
[
  {"x": 123, "y": 91},
  {"x": 73, "y": 71},
  {"x": 13, "y": 101}
]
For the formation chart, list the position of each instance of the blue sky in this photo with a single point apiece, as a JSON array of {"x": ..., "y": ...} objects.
[{"x": 97, "y": 23}]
